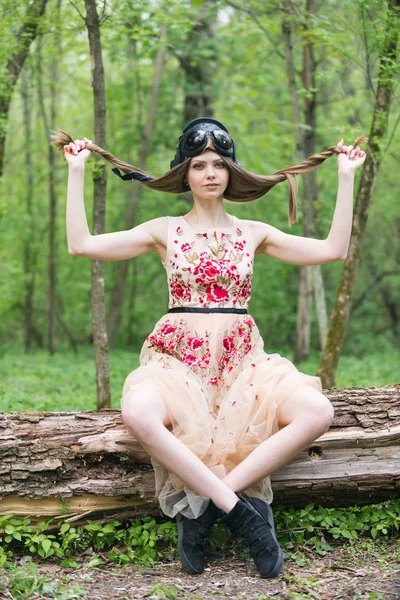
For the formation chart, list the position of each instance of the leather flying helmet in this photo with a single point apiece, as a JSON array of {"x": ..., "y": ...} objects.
[{"x": 195, "y": 136}]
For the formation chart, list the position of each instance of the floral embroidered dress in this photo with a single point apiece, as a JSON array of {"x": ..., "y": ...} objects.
[{"x": 221, "y": 389}]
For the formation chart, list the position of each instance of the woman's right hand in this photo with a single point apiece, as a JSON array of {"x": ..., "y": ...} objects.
[{"x": 76, "y": 153}]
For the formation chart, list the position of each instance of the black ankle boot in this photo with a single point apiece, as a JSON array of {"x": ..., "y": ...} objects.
[
  {"x": 192, "y": 534},
  {"x": 262, "y": 507},
  {"x": 257, "y": 530}
]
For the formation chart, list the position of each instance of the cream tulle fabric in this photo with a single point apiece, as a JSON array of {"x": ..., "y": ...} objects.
[{"x": 221, "y": 388}]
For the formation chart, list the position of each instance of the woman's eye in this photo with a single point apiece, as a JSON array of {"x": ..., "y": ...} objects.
[
  {"x": 220, "y": 165},
  {"x": 197, "y": 166}
]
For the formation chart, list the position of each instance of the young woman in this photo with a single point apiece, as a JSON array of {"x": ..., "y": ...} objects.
[{"x": 214, "y": 411}]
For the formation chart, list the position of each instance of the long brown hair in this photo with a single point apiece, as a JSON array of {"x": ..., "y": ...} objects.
[{"x": 243, "y": 186}]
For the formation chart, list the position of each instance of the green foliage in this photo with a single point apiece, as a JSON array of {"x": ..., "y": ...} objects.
[
  {"x": 244, "y": 54},
  {"x": 26, "y": 582},
  {"x": 315, "y": 525},
  {"x": 161, "y": 591},
  {"x": 145, "y": 541}
]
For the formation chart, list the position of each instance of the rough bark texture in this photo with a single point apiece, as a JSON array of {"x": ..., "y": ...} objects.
[
  {"x": 99, "y": 209},
  {"x": 341, "y": 311},
  {"x": 310, "y": 277},
  {"x": 9, "y": 76},
  {"x": 28, "y": 243},
  {"x": 118, "y": 291},
  {"x": 87, "y": 462},
  {"x": 320, "y": 305},
  {"x": 49, "y": 122}
]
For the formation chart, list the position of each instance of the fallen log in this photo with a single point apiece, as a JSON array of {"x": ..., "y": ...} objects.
[{"x": 81, "y": 463}]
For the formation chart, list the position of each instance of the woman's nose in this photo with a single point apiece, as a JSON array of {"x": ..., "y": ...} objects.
[{"x": 210, "y": 172}]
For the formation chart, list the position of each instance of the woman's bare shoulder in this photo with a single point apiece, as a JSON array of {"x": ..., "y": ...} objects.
[
  {"x": 158, "y": 230},
  {"x": 259, "y": 231}
]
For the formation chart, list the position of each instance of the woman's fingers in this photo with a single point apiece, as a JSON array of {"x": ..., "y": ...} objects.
[
  {"x": 71, "y": 148},
  {"x": 80, "y": 145},
  {"x": 351, "y": 152}
]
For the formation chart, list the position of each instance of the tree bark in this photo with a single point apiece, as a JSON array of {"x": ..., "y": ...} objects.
[
  {"x": 29, "y": 238},
  {"x": 99, "y": 208},
  {"x": 341, "y": 311},
  {"x": 49, "y": 124},
  {"x": 118, "y": 291},
  {"x": 310, "y": 277},
  {"x": 320, "y": 304},
  {"x": 303, "y": 322},
  {"x": 88, "y": 461},
  {"x": 25, "y": 37}
]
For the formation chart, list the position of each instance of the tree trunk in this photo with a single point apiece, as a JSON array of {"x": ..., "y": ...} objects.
[
  {"x": 88, "y": 462},
  {"x": 49, "y": 124},
  {"x": 28, "y": 242},
  {"x": 320, "y": 304},
  {"x": 200, "y": 72},
  {"x": 341, "y": 311},
  {"x": 118, "y": 291},
  {"x": 305, "y": 146},
  {"x": 52, "y": 262},
  {"x": 99, "y": 208},
  {"x": 9, "y": 76},
  {"x": 303, "y": 322}
]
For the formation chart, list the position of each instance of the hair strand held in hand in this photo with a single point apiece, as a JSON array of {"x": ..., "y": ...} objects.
[{"x": 243, "y": 185}]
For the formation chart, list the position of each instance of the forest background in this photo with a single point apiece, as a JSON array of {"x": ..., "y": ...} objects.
[{"x": 284, "y": 77}]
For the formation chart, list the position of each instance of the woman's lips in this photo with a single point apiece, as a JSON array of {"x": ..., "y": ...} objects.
[{"x": 212, "y": 186}]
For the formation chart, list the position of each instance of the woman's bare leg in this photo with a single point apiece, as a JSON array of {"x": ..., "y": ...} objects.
[
  {"x": 302, "y": 418},
  {"x": 146, "y": 416}
]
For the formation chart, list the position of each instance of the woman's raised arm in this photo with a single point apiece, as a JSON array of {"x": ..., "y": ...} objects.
[
  {"x": 309, "y": 251},
  {"x": 147, "y": 237}
]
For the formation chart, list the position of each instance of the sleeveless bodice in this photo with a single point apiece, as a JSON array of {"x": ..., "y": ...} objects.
[{"x": 209, "y": 267}]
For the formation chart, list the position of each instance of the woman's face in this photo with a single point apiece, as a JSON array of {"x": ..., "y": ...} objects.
[{"x": 208, "y": 175}]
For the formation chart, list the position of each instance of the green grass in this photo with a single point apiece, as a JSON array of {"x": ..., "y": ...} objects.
[
  {"x": 64, "y": 381},
  {"x": 382, "y": 368},
  {"x": 37, "y": 381}
]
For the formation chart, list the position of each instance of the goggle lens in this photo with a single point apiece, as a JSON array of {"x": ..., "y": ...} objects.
[
  {"x": 194, "y": 139},
  {"x": 222, "y": 138}
]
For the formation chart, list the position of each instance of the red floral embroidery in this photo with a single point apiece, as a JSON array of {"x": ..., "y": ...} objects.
[
  {"x": 228, "y": 344},
  {"x": 236, "y": 345},
  {"x": 207, "y": 270},
  {"x": 210, "y": 270},
  {"x": 216, "y": 293},
  {"x": 174, "y": 339},
  {"x": 167, "y": 329},
  {"x": 195, "y": 343},
  {"x": 180, "y": 289}
]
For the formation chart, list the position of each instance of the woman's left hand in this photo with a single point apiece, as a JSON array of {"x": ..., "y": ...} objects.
[{"x": 350, "y": 159}]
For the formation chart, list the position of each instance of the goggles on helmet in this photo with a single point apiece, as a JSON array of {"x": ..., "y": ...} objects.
[{"x": 195, "y": 137}]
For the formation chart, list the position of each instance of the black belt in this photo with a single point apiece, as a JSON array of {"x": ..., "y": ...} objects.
[{"x": 217, "y": 309}]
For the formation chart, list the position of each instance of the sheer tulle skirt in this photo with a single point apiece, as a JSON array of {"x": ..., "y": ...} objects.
[{"x": 221, "y": 390}]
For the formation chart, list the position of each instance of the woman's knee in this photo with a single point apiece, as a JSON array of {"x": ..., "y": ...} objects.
[
  {"x": 310, "y": 406},
  {"x": 324, "y": 413},
  {"x": 142, "y": 414}
]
